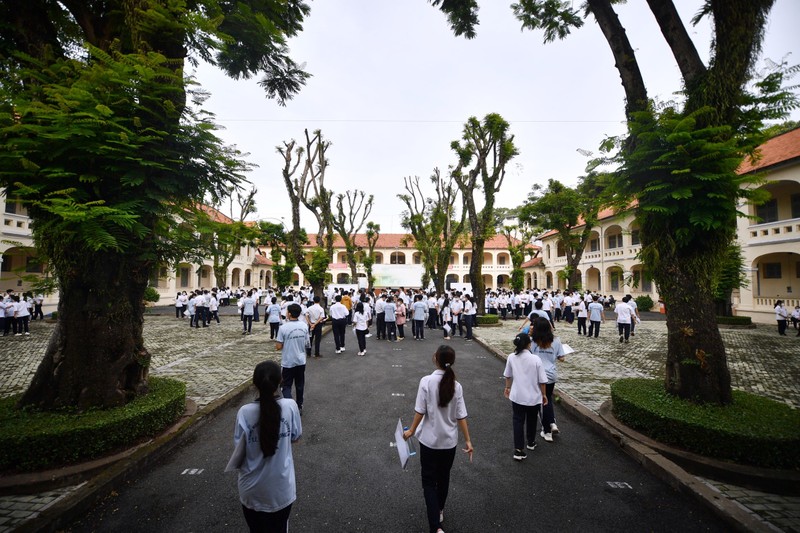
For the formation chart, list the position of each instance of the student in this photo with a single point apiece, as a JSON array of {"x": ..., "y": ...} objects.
[
  {"x": 402, "y": 310},
  {"x": 213, "y": 308},
  {"x": 265, "y": 431},
  {"x": 339, "y": 318},
  {"x": 549, "y": 349},
  {"x": 179, "y": 305},
  {"x": 291, "y": 342},
  {"x": 470, "y": 310},
  {"x": 22, "y": 315},
  {"x": 440, "y": 400},
  {"x": 796, "y": 319},
  {"x": 380, "y": 316},
  {"x": 447, "y": 326},
  {"x": 272, "y": 316},
  {"x": 596, "y": 316},
  {"x": 624, "y": 317},
  {"x": 315, "y": 318},
  {"x": 247, "y": 304},
  {"x": 583, "y": 314},
  {"x": 190, "y": 308},
  {"x": 390, "y": 319},
  {"x": 419, "y": 311},
  {"x": 360, "y": 327},
  {"x": 525, "y": 387}
]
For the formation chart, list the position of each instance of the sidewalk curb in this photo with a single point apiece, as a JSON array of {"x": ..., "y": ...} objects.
[{"x": 731, "y": 512}]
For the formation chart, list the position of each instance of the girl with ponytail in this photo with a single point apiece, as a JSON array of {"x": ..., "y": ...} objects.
[
  {"x": 265, "y": 431},
  {"x": 440, "y": 404},
  {"x": 525, "y": 387}
]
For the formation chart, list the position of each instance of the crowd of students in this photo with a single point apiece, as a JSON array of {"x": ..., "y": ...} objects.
[{"x": 18, "y": 310}]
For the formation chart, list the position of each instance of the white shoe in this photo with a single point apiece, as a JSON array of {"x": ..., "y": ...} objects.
[
  {"x": 553, "y": 428},
  {"x": 547, "y": 436},
  {"x": 342, "y": 350},
  {"x": 338, "y": 350},
  {"x": 368, "y": 335}
]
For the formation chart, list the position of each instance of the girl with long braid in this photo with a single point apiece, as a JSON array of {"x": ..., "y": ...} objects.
[
  {"x": 440, "y": 400},
  {"x": 265, "y": 431}
]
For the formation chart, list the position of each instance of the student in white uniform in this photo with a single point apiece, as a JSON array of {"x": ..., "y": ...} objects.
[
  {"x": 440, "y": 400},
  {"x": 265, "y": 431},
  {"x": 525, "y": 387}
]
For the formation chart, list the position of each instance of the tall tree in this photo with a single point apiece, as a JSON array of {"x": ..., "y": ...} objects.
[
  {"x": 98, "y": 140},
  {"x": 306, "y": 186},
  {"x": 223, "y": 236},
  {"x": 433, "y": 223},
  {"x": 275, "y": 238},
  {"x": 679, "y": 163},
  {"x": 348, "y": 221},
  {"x": 486, "y": 146},
  {"x": 572, "y": 212},
  {"x": 520, "y": 246},
  {"x": 368, "y": 259}
]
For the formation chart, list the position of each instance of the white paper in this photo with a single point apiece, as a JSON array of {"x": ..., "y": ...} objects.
[
  {"x": 402, "y": 445},
  {"x": 567, "y": 349}
]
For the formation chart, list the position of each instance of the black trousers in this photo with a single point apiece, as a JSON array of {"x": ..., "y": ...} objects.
[
  {"x": 316, "y": 335},
  {"x": 294, "y": 376},
  {"x": 262, "y": 522},
  {"x": 381, "y": 320},
  {"x": 339, "y": 326},
  {"x": 435, "y": 467}
]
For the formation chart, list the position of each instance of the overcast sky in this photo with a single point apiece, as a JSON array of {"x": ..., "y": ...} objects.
[{"x": 392, "y": 87}]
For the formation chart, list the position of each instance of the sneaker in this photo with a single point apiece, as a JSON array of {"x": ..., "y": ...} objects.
[
  {"x": 338, "y": 351},
  {"x": 26, "y": 333},
  {"x": 626, "y": 341},
  {"x": 400, "y": 338},
  {"x": 342, "y": 349},
  {"x": 547, "y": 436},
  {"x": 553, "y": 428},
  {"x": 368, "y": 335},
  {"x": 17, "y": 334},
  {"x": 519, "y": 455},
  {"x": 531, "y": 446},
  {"x": 621, "y": 338}
]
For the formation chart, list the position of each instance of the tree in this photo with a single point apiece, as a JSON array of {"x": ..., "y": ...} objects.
[
  {"x": 274, "y": 236},
  {"x": 222, "y": 236},
  {"x": 96, "y": 137},
  {"x": 368, "y": 259},
  {"x": 348, "y": 221},
  {"x": 307, "y": 187},
  {"x": 433, "y": 224},
  {"x": 488, "y": 147},
  {"x": 519, "y": 238},
  {"x": 679, "y": 162},
  {"x": 570, "y": 212},
  {"x": 729, "y": 277}
]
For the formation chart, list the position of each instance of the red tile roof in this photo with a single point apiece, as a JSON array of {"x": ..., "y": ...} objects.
[
  {"x": 531, "y": 262},
  {"x": 778, "y": 150},
  {"x": 215, "y": 215},
  {"x": 262, "y": 260},
  {"x": 402, "y": 240}
]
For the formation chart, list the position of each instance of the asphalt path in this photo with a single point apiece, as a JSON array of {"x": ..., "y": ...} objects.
[{"x": 349, "y": 478}]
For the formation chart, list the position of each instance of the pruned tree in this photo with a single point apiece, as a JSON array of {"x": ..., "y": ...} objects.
[
  {"x": 679, "y": 161},
  {"x": 306, "y": 186},
  {"x": 433, "y": 223},
  {"x": 485, "y": 149},
  {"x": 222, "y": 237},
  {"x": 368, "y": 259},
  {"x": 352, "y": 210},
  {"x": 572, "y": 212},
  {"x": 520, "y": 247},
  {"x": 274, "y": 236}
]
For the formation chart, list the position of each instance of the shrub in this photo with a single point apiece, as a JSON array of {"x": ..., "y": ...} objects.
[
  {"x": 63, "y": 438},
  {"x": 752, "y": 430},
  {"x": 54, "y": 315},
  {"x": 735, "y": 320},
  {"x": 483, "y": 320},
  {"x": 644, "y": 302},
  {"x": 151, "y": 295}
]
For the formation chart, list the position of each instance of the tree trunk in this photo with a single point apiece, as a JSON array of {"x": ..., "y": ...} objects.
[
  {"x": 96, "y": 356},
  {"x": 697, "y": 366},
  {"x": 221, "y": 276},
  {"x": 476, "y": 274}
]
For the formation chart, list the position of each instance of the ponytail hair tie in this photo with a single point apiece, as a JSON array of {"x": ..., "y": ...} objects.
[{"x": 447, "y": 365}]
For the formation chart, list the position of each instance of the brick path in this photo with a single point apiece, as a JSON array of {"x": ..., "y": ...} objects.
[{"x": 215, "y": 360}]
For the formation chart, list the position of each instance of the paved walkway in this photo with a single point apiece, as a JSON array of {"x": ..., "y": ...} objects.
[{"x": 215, "y": 360}]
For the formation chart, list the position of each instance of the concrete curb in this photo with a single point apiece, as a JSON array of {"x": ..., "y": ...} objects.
[{"x": 734, "y": 514}]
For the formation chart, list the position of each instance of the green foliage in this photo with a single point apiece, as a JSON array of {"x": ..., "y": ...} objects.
[
  {"x": 151, "y": 295},
  {"x": 483, "y": 320},
  {"x": 735, "y": 320},
  {"x": 644, "y": 302},
  {"x": 752, "y": 430},
  {"x": 517, "y": 279},
  {"x": 318, "y": 267},
  {"x": 62, "y": 438}
]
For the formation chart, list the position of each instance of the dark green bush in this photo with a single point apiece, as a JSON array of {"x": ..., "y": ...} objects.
[
  {"x": 483, "y": 320},
  {"x": 734, "y": 320},
  {"x": 32, "y": 440},
  {"x": 644, "y": 302},
  {"x": 752, "y": 430},
  {"x": 151, "y": 295}
]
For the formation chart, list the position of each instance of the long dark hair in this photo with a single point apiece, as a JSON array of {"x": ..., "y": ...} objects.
[
  {"x": 542, "y": 332},
  {"x": 445, "y": 357},
  {"x": 267, "y": 379},
  {"x": 521, "y": 342}
]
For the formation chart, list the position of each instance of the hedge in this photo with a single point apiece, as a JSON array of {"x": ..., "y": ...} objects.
[
  {"x": 35, "y": 440},
  {"x": 487, "y": 319},
  {"x": 151, "y": 295},
  {"x": 644, "y": 303},
  {"x": 752, "y": 430},
  {"x": 735, "y": 320}
]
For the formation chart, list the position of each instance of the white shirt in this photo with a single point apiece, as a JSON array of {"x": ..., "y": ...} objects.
[
  {"x": 360, "y": 321},
  {"x": 315, "y": 314},
  {"x": 439, "y": 429},
  {"x": 526, "y": 371},
  {"x": 780, "y": 313},
  {"x": 339, "y": 311},
  {"x": 624, "y": 313}
]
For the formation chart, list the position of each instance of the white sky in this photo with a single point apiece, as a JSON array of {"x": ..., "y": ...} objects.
[{"x": 392, "y": 87}]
